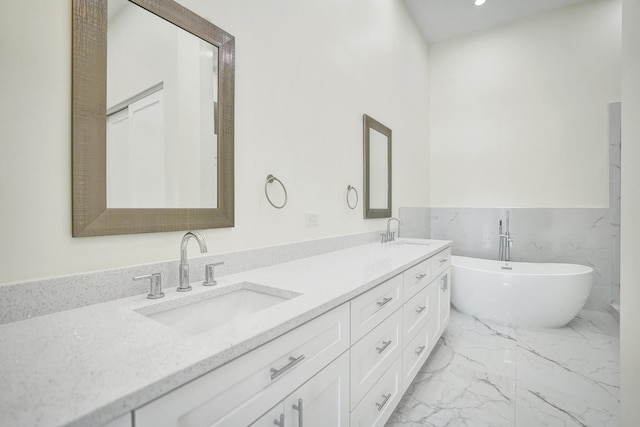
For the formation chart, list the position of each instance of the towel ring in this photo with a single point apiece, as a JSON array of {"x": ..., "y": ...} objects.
[
  {"x": 270, "y": 179},
  {"x": 349, "y": 188}
]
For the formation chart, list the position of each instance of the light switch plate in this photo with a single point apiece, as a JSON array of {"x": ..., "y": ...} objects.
[{"x": 312, "y": 219}]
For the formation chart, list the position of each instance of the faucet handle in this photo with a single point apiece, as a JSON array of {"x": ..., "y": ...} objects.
[
  {"x": 208, "y": 272},
  {"x": 155, "y": 281}
]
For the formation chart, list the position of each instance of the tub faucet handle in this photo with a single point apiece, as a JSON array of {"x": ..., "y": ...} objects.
[
  {"x": 208, "y": 271},
  {"x": 155, "y": 282}
]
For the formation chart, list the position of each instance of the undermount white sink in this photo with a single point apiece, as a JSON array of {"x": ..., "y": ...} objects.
[
  {"x": 202, "y": 312},
  {"x": 421, "y": 242}
]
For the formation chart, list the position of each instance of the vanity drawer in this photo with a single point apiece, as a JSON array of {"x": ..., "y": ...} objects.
[
  {"x": 373, "y": 355},
  {"x": 243, "y": 389},
  {"x": 375, "y": 305},
  {"x": 416, "y": 278},
  {"x": 440, "y": 262},
  {"x": 417, "y": 351},
  {"x": 377, "y": 406},
  {"x": 418, "y": 310}
]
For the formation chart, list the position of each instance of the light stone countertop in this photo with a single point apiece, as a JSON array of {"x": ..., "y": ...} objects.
[{"x": 89, "y": 365}]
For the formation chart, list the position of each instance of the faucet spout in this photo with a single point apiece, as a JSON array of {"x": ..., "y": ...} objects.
[
  {"x": 184, "y": 265},
  {"x": 390, "y": 236}
]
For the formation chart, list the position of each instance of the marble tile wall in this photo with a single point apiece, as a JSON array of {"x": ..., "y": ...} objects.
[
  {"x": 614, "y": 198},
  {"x": 22, "y": 300},
  {"x": 580, "y": 236},
  {"x": 416, "y": 222}
]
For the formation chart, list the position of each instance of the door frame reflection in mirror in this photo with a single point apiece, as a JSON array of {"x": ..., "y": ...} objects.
[
  {"x": 369, "y": 211},
  {"x": 91, "y": 217}
]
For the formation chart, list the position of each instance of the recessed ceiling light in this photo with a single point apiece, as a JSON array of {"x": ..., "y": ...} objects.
[{"x": 479, "y": 2}]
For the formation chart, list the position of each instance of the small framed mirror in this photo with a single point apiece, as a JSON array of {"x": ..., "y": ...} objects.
[
  {"x": 153, "y": 119},
  {"x": 377, "y": 169}
]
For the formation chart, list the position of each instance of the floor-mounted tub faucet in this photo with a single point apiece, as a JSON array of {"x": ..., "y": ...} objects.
[
  {"x": 184, "y": 265},
  {"x": 390, "y": 237},
  {"x": 504, "y": 252}
]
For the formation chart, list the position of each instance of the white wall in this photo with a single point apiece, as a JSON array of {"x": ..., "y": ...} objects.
[
  {"x": 630, "y": 221},
  {"x": 519, "y": 113},
  {"x": 306, "y": 72}
]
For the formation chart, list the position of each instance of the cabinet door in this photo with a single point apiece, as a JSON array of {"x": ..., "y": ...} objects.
[
  {"x": 417, "y": 351},
  {"x": 418, "y": 310},
  {"x": 275, "y": 417},
  {"x": 323, "y": 400},
  {"x": 445, "y": 300},
  {"x": 377, "y": 406}
]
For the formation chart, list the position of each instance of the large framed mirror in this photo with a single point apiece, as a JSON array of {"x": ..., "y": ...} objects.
[
  {"x": 153, "y": 119},
  {"x": 377, "y": 169}
]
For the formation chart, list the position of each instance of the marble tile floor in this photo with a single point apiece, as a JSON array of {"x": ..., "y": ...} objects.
[{"x": 483, "y": 373}]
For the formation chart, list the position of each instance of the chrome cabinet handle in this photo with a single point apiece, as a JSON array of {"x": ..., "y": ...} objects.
[
  {"x": 420, "y": 349},
  {"x": 384, "y": 301},
  {"x": 293, "y": 361},
  {"x": 443, "y": 260},
  {"x": 420, "y": 309},
  {"x": 445, "y": 282},
  {"x": 384, "y": 401},
  {"x": 421, "y": 276},
  {"x": 385, "y": 344},
  {"x": 280, "y": 422},
  {"x": 298, "y": 408}
]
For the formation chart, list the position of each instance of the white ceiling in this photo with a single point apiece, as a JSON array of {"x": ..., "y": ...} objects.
[{"x": 442, "y": 19}]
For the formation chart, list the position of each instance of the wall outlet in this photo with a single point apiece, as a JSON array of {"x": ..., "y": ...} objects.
[{"x": 312, "y": 219}]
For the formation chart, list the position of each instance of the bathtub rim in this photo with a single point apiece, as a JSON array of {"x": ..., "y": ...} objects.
[{"x": 581, "y": 269}]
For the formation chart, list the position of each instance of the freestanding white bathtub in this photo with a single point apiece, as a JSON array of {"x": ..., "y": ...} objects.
[{"x": 546, "y": 295}]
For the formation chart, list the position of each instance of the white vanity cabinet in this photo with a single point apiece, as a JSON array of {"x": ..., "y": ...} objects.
[
  {"x": 349, "y": 366},
  {"x": 239, "y": 392}
]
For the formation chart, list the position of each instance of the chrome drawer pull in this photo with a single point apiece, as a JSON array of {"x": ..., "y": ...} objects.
[
  {"x": 443, "y": 260},
  {"x": 298, "y": 408},
  {"x": 384, "y": 301},
  {"x": 293, "y": 361},
  {"x": 421, "y": 276},
  {"x": 280, "y": 422},
  {"x": 420, "y": 309},
  {"x": 420, "y": 349},
  {"x": 384, "y": 401},
  {"x": 385, "y": 344}
]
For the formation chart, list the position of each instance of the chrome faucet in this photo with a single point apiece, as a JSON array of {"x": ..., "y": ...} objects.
[
  {"x": 504, "y": 252},
  {"x": 184, "y": 266},
  {"x": 390, "y": 237}
]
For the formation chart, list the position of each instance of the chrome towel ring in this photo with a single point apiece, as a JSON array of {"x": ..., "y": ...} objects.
[
  {"x": 349, "y": 188},
  {"x": 270, "y": 179}
]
